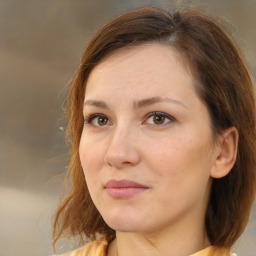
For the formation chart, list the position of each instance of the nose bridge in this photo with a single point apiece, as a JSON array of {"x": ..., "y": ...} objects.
[
  {"x": 122, "y": 133},
  {"x": 122, "y": 147}
]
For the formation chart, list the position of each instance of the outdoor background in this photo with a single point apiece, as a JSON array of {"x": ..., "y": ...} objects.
[{"x": 41, "y": 42}]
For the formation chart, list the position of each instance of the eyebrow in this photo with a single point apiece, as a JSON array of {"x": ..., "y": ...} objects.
[
  {"x": 136, "y": 104},
  {"x": 96, "y": 103},
  {"x": 154, "y": 100}
]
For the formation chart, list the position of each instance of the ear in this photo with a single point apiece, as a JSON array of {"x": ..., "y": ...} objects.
[{"x": 226, "y": 152}]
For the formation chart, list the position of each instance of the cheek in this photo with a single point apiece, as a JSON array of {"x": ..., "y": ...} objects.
[
  {"x": 182, "y": 170},
  {"x": 91, "y": 156},
  {"x": 180, "y": 158}
]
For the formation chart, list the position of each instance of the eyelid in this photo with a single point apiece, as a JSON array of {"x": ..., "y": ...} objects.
[
  {"x": 171, "y": 118},
  {"x": 89, "y": 118}
]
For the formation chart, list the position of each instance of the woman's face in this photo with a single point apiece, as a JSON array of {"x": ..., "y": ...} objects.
[{"x": 146, "y": 147}]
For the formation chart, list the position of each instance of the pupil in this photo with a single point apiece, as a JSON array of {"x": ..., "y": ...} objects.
[
  {"x": 159, "y": 119},
  {"x": 102, "y": 121}
]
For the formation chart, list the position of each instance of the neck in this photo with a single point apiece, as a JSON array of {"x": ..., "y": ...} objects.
[{"x": 180, "y": 242}]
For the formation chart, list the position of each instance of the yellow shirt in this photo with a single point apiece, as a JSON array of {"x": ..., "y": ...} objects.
[{"x": 99, "y": 248}]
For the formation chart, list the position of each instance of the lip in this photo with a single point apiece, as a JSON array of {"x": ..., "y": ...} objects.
[{"x": 122, "y": 189}]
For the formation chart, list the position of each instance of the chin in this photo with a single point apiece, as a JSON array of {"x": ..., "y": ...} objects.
[
  {"x": 123, "y": 223},
  {"x": 125, "y": 228}
]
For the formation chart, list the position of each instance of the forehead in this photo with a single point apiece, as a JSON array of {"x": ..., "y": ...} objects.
[{"x": 150, "y": 68}]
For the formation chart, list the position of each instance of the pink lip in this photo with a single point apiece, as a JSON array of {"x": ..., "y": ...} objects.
[{"x": 121, "y": 189}]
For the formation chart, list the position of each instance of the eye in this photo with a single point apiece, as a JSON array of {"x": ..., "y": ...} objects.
[
  {"x": 158, "y": 118},
  {"x": 97, "y": 120}
]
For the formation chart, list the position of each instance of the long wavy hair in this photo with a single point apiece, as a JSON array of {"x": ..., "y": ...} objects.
[{"x": 225, "y": 87}]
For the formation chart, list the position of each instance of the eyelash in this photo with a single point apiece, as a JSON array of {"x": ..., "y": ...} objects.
[
  {"x": 90, "y": 118},
  {"x": 161, "y": 114}
]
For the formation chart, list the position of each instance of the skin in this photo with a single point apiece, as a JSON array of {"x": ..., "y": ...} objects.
[{"x": 175, "y": 159}]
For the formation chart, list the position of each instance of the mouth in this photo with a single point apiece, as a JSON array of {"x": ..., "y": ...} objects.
[{"x": 122, "y": 189}]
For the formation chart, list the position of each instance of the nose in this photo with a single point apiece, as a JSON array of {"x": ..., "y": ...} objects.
[{"x": 122, "y": 150}]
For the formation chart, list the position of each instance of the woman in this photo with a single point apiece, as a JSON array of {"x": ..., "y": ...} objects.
[{"x": 162, "y": 125}]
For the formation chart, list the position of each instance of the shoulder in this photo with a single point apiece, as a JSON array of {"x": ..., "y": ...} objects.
[{"x": 94, "y": 248}]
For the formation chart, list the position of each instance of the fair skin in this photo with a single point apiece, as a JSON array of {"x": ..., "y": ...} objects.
[{"x": 154, "y": 130}]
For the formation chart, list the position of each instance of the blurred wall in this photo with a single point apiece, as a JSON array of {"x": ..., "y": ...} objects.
[{"x": 40, "y": 47}]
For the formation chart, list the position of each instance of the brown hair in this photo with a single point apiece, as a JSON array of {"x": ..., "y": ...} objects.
[{"x": 225, "y": 87}]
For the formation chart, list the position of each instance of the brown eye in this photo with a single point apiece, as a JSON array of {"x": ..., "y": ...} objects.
[
  {"x": 158, "y": 119},
  {"x": 102, "y": 121},
  {"x": 97, "y": 120}
]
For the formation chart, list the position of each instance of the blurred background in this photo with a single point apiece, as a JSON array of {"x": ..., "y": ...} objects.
[{"x": 41, "y": 42}]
